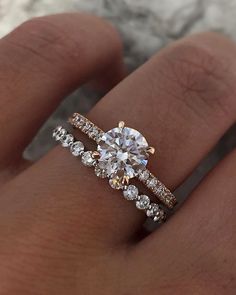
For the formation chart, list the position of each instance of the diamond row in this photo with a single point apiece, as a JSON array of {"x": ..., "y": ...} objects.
[
  {"x": 86, "y": 126},
  {"x": 130, "y": 192},
  {"x": 143, "y": 202},
  {"x": 158, "y": 188}
]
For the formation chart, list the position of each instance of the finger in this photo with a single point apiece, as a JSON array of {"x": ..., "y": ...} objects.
[
  {"x": 199, "y": 242},
  {"x": 174, "y": 100},
  {"x": 41, "y": 62}
]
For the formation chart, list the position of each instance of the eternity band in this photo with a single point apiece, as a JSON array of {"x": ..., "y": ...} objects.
[
  {"x": 122, "y": 154},
  {"x": 89, "y": 158}
]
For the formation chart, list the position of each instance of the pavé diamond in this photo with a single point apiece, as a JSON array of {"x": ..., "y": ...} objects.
[
  {"x": 143, "y": 202},
  {"x": 131, "y": 193},
  {"x": 144, "y": 175},
  {"x": 123, "y": 152},
  {"x": 93, "y": 133},
  {"x": 77, "y": 148},
  {"x": 152, "y": 182}
]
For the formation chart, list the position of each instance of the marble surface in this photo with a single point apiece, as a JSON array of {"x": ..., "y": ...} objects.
[{"x": 145, "y": 26}]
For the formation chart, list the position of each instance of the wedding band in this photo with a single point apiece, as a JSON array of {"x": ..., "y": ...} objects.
[
  {"x": 122, "y": 154},
  {"x": 90, "y": 159}
]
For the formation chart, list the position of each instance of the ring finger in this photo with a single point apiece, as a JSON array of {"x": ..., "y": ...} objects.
[{"x": 174, "y": 100}]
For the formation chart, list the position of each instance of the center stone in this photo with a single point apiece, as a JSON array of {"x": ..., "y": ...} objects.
[{"x": 123, "y": 152}]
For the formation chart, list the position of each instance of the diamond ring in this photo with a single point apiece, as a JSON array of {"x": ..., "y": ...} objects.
[
  {"x": 122, "y": 154},
  {"x": 91, "y": 159}
]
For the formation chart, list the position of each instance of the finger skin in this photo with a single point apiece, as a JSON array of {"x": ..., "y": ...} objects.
[
  {"x": 175, "y": 115},
  {"x": 196, "y": 249},
  {"x": 41, "y": 62}
]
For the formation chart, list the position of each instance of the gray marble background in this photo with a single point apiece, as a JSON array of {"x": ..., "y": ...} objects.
[{"x": 145, "y": 26}]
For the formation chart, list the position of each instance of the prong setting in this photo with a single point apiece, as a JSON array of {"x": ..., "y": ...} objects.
[
  {"x": 121, "y": 124},
  {"x": 96, "y": 155},
  {"x": 151, "y": 150}
]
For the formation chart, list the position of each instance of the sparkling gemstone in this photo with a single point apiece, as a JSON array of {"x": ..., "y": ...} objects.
[
  {"x": 80, "y": 122},
  {"x": 99, "y": 136},
  {"x": 152, "y": 182},
  {"x": 87, "y": 159},
  {"x": 153, "y": 210},
  {"x": 67, "y": 140},
  {"x": 93, "y": 132},
  {"x": 160, "y": 216},
  {"x": 144, "y": 175},
  {"x": 116, "y": 183},
  {"x": 123, "y": 152},
  {"x": 76, "y": 118},
  {"x": 87, "y": 126},
  {"x": 143, "y": 202},
  {"x": 160, "y": 190},
  {"x": 99, "y": 172},
  {"x": 77, "y": 148},
  {"x": 131, "y": 193},
  {"x": 58, "y": 133}
]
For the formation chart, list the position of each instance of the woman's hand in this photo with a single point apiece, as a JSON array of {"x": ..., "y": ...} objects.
[{"x": 64, "y": 231}]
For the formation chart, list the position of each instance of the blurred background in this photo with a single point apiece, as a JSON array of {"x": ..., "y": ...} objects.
[{"x": 145, "y": 26}]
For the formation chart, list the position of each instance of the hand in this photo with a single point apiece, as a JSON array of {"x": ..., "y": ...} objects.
[{"x": 64, "y": 231}]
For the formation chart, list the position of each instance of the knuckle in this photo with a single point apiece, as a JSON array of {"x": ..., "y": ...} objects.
[
  {"x": 199, "y": 77},
  {"x": 41, "y": 28},
  {"x": 45, "y": 40}
]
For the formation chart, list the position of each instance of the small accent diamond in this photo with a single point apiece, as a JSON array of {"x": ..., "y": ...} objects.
[
  {"x": 116, "y": 183},
  {"x": 159, "y": 190},
  {"x": 144, "y": 175},
  {"x": 80, "y": 121},
  {"x": 93, "y": 132},
  {"x": 152, "y": 182},
  {"x": 77, "y": 148},
  {"x": 160, "y": 216},
  {"x": 143, "y": 202},
  {"x": 87, "y": 126},
  {"x": 131, "y": 193},
  {"x": 67, "y": 140},
  {"x": 99, "y": 136},
  {"x": 87, "y": 159},
  {"x": 100, "y": 172},
  {"x": 58, "y": 133},
  {"x": 152, "y": 210}
]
